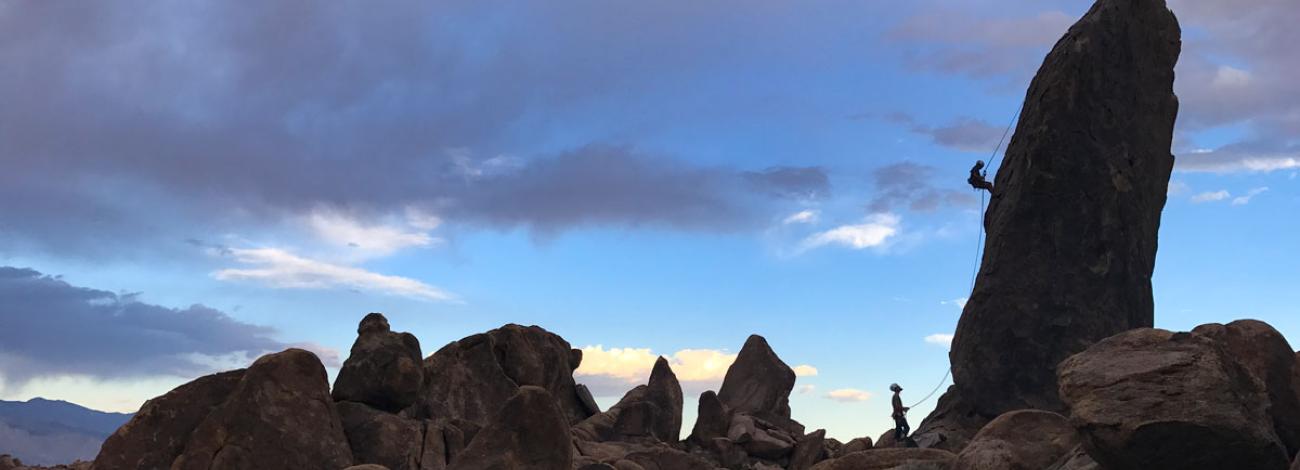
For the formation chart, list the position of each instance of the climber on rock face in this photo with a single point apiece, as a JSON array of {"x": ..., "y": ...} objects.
[
  {"x": 900, "y": 414},
  {"x": 977, "y": 180}
]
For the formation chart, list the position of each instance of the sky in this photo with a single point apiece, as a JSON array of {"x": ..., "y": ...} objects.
[{"x": 188, "y": 185}]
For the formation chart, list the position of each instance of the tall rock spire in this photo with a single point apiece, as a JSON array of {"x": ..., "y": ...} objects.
[
  {"x": 1072, "y": 229},
  {"x": 1072, "y": 226}
]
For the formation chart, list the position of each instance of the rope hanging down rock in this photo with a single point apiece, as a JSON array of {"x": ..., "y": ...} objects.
[{"x": 979, "y": 243}]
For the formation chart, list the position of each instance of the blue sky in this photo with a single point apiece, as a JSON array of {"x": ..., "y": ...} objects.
[{"x": 190, "y": 185}]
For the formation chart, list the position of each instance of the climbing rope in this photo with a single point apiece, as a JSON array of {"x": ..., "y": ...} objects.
[
  {"x": 993, "y": 156},
  {"x": 936, "y": 388},
  {"x": 979, "y": 243}
]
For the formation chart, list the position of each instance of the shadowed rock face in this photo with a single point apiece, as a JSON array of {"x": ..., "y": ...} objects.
[
  {"x": 711, "y": 420},
  {"x": 951, "y": 425},
  {"x": 808, "y": 451},
  {"x": 1266, "y": 354},
  {"x": 1020, "y": 440},
  {"x": 384, "y": 369},
  {"x": 158, "y": 432},
  {"x": 1072, "y": 225},
  {"x": 650, "y": 411},
  {"x": 529, "y": 431},
  {"x": 390, "y": 440},
  {"x": 472, "y": 378},
  {"x": 758, "y": 382},
  {"x": 1150, "y": 399},
  {"x": 280, "y": 416}
]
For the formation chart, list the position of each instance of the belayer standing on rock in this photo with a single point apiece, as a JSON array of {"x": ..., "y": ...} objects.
[
  {"x": 977, "y": 180},
  {"x": 900, "y": 414}
]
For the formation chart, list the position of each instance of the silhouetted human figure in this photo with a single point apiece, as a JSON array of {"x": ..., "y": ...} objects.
[
  {"x": 977, "y": 180},
  {"x": 901, "y": 429}
]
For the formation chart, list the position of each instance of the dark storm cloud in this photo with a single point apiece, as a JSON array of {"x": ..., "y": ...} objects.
[
  {"x": 53, "y": 328},
  {"x": 908, "y": 186},
  {"x": 131, "y": 118}
]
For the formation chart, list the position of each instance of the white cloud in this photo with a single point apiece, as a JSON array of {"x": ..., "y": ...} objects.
[
  {"x": 1243, "y": 200},
  {"x": 614, "y": 370},
  {"x": 422, "y": 220},
  {"x": 801, "y": 217},
  {"x": 1237, "y": 159},
  {"x": 940, "y": 339},
  {"x": 959, "y": 302},
  {"x": 373, "y": 240},
  {"x": 281, "y": 269},
  {"x": 1211, "y": 196},
  {"x": 1230, "y": 77},
  {"x": 805, "y": 371},
  {"x": 874, "y": 233},
  {"x": 849, "y": 395},
  {"x": 806, "y": 389}
]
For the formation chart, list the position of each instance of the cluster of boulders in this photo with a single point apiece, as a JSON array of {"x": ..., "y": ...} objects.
[
  {"x": 505, "y": 399},
  {"x": 1221, "y": 396},
  {"x": 9, "y": 462}
]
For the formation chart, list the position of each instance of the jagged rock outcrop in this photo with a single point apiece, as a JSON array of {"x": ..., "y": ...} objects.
[
  {"x": 1072, "y": 224},
  {"x": 809, "y": 450},
  {"x": 751, "y": 412},
  {"x": 398, "y": 443},
  {"x": 472, "y": 378},
  {"x": 651, "y": 411},
  {"x": 1019, "y": 440},
  {"x": 588, "y": 402},
  {"x": 889, "y": 459},
  {"x": 888, "y": 440},
  {"x": 1076, "y": 459},
  {"x": 384, "y": 369},
  {"x": 279, "y": 416},
  {"x": 157, "y": 434},
  {"x": 1268, "y": 356},
  {"x": 1152, "y": 399},
  {"x": 529, "y": 431},
  {"x": 856, "y": 445},
  {"x": 952, "y": 424},
  {"x": 758, "y": 382},
  {"x": 712, "y": 419}
]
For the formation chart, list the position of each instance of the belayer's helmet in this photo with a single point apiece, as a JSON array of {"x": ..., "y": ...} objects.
[{"x": 895, "y": 388}]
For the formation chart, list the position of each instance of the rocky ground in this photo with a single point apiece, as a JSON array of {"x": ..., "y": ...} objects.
[
  {"x": 1055, "y": 363},
  {"x": 1218, "y": 397}
]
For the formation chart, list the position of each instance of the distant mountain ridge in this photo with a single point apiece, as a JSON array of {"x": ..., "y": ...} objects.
[{"x": 48, "y": 432}]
